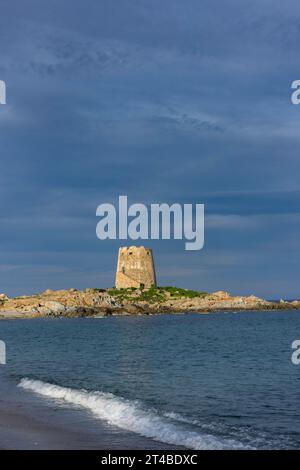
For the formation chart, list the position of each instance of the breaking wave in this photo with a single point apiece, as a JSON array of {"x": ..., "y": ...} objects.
[{"x": 132, "y": 416}]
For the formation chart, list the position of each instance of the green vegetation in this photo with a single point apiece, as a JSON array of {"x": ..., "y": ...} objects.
[
  {"x": 179, "y": 293},
  {"x": 121, "y": 292},
  {"x": 154, "y": 294}
]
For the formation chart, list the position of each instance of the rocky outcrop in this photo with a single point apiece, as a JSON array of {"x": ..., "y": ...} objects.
[
  {"x": 56, "y": 309},
  {"x": 69, "y": 303}
]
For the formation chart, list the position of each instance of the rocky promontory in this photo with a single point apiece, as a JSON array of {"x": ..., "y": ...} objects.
[{"x": 104, "y": 302}]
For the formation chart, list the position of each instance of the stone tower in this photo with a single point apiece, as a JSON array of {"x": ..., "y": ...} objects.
[{"x": 135, "y": 267}]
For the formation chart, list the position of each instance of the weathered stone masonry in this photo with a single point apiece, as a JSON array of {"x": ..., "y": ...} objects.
[{"x": 135, "y": 267}]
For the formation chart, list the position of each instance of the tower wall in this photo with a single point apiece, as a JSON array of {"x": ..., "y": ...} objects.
[{"x": 135, "y": 267}]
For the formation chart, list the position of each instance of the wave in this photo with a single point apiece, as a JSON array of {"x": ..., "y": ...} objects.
[{"x": 132, "y": 416}]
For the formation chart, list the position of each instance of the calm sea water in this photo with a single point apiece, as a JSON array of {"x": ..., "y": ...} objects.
[{"x": 200, "y": 381}]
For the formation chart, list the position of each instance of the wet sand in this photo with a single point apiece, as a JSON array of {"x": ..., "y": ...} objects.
[
  {"x": 24, "y": 427},
  {"x": 21, "y": 431}
]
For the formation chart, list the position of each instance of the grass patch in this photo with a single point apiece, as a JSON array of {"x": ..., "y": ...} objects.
[
  {"x": 179, "y": 293},
  {"x": 154, "y": 294},
  {"x": 117, "y": 292}
]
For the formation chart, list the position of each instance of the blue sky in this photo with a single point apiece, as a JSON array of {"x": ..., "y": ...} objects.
[{"x": 165, "y": 102}]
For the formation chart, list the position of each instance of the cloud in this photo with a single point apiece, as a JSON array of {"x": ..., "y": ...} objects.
[{"x": 163, "y": 102}]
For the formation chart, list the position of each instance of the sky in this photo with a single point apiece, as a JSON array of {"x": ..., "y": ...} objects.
[{"x": 172, "y": 101}]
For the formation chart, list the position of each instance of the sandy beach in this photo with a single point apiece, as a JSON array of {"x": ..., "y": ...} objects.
[{"x": 19, "y": 430}]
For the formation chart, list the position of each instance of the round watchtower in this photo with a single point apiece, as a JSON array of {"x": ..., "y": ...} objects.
[{"x": 135, "y": 267}]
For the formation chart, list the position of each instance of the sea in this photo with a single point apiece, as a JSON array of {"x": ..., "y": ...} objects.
[{"x": 182, "y": 381}]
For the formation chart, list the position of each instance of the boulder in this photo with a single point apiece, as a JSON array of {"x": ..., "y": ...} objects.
[
  {"x": 220, "y": 294},
  {"x": 3, "y": 297},
  {"x": 51, "y": 308}
]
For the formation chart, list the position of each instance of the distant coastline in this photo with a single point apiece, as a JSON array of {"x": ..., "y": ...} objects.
[{"x": 131, "y": 301}]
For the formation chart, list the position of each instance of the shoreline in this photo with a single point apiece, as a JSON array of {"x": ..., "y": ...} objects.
[
  {"x": 15, "y": 315},
  {"x": 28, "y": 422}
]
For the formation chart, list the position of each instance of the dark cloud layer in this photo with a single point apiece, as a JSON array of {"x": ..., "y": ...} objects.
[{"x": 165, "y": 102}]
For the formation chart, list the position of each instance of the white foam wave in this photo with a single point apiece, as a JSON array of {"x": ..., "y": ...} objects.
[{"x": 130, "y": 415}]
